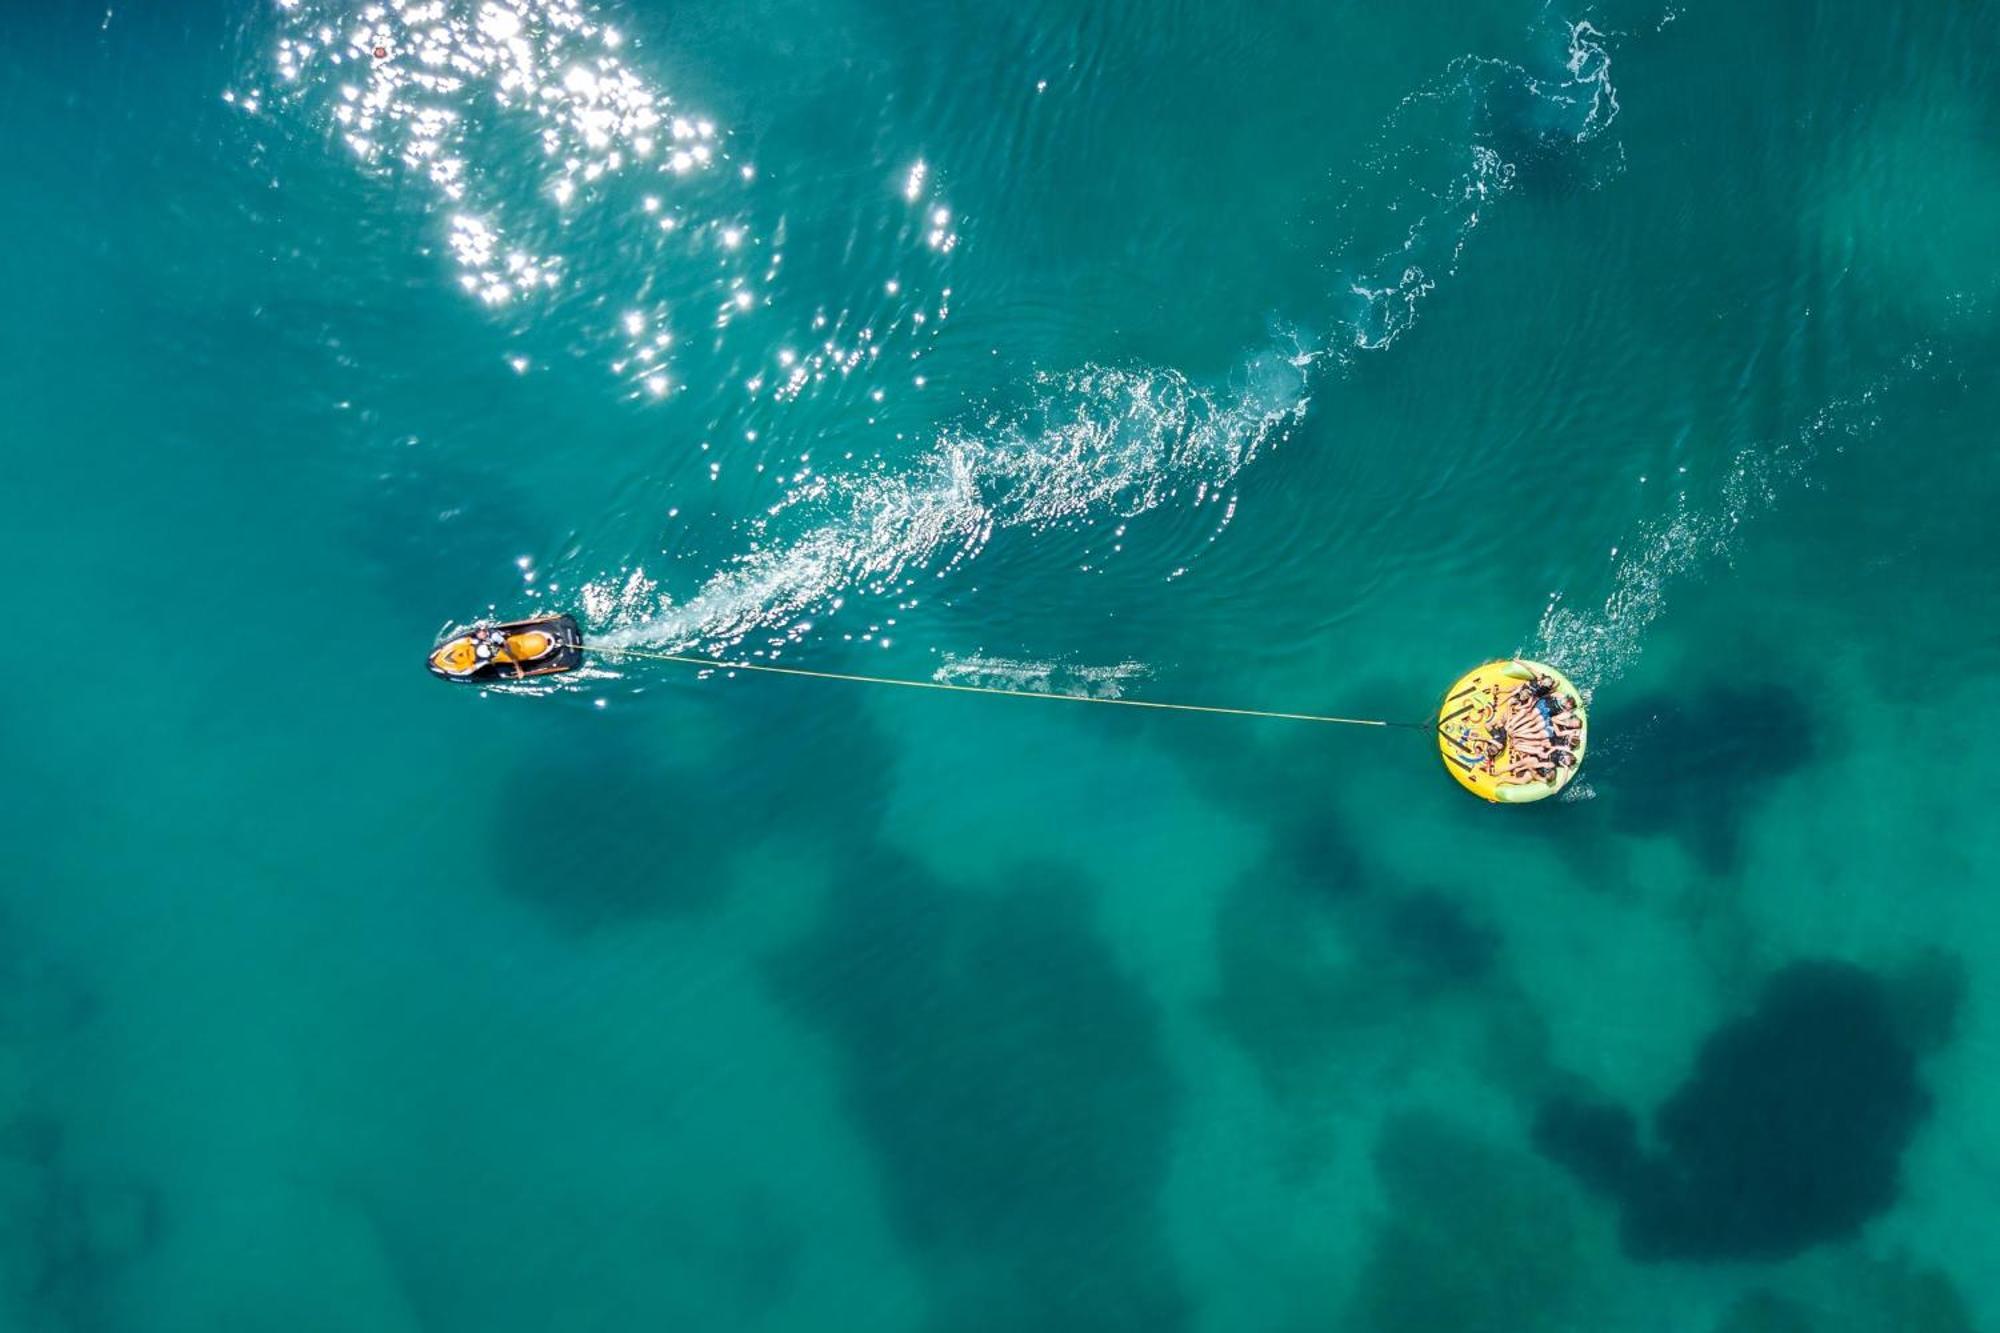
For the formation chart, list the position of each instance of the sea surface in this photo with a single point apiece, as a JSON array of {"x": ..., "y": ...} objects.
[{"x": 1287, "y": 356}]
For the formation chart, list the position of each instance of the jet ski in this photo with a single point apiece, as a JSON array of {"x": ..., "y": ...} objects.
[{"x": 493, "y": 653}]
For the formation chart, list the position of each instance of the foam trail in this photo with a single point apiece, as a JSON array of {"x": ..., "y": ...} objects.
[
  {"x": 1453, "y": 148},
  {"x": 1107, "y": 440},
  {"x": 1598, "y": 645},
  {"x": 1098, "y": 440},
  {"x": 1096, "y": 682}
]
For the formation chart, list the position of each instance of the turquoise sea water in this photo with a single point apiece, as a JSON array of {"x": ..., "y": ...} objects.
[{"x": 1293, "y": 356}]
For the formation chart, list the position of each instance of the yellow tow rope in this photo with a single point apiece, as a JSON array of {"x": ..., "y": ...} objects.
[{"x": 720, "y": 665}]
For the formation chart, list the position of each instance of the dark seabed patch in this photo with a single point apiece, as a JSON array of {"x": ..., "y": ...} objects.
[
  {"x": 1478, "y": 1238},
  {"x": 1010, "y": 1084},
  {"x": 1927, "y": 997},
  {"x": 1319, "y": 856},
  {"x": 652, "y": 832},
  {"x": 750, "y": 1252},
  {"x": 1284, "y": 986},
  {"x": 68, "y": 1238},
  {"x": 67, "y": 1232},
  {"x": 1870, "y": 1296},
  {"x": 1331, "y": 991},
  {"x": 1261, "y": 783},
  {"x": 643, "y": 829},
  {"x": 1693, "y": 763},
  {"x": 1788, "y": 1134},
  {"x": 1437, "y": 939}
]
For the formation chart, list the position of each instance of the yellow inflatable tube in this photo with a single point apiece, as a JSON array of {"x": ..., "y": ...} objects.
[{"x": 1474, "y": 703}]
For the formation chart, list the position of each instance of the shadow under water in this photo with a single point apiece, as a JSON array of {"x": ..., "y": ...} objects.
[
  {"x": 1788, "y": 1134},
  {"x": 1330, "y": 990},
  {"x": 1478, "y": 1238},
  {"x": 644, "y": 827},
  {"x": 653, "y": 830},
  {"x": 1011, "y": 1086},
  {"x": 1869, "y": 1295},
  {"x": 1693, "y": 762},
  {"x": 69, "y": 1235}
]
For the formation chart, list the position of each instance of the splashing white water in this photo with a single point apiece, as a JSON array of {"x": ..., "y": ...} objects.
[
  {"x": 1094, "y": 682},
  {"x": 1097, "y": 440},
  {"x": 1120, "y": 441},
  {"x": 1449, "y": 152},
  {"x": 444, "y": 93},
  {"x": 1598, "y": 645}
]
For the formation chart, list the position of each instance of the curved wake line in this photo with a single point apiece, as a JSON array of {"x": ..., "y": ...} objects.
[
  {"x": 1120, "y": 441},
  {"x": 1099, "y": 441},
  {"x": 1598, "y": 645},
  {"x": 433, "y": 92}
]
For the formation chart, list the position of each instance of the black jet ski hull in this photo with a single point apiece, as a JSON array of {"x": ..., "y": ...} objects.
[{"x": 566, "y": 656}]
